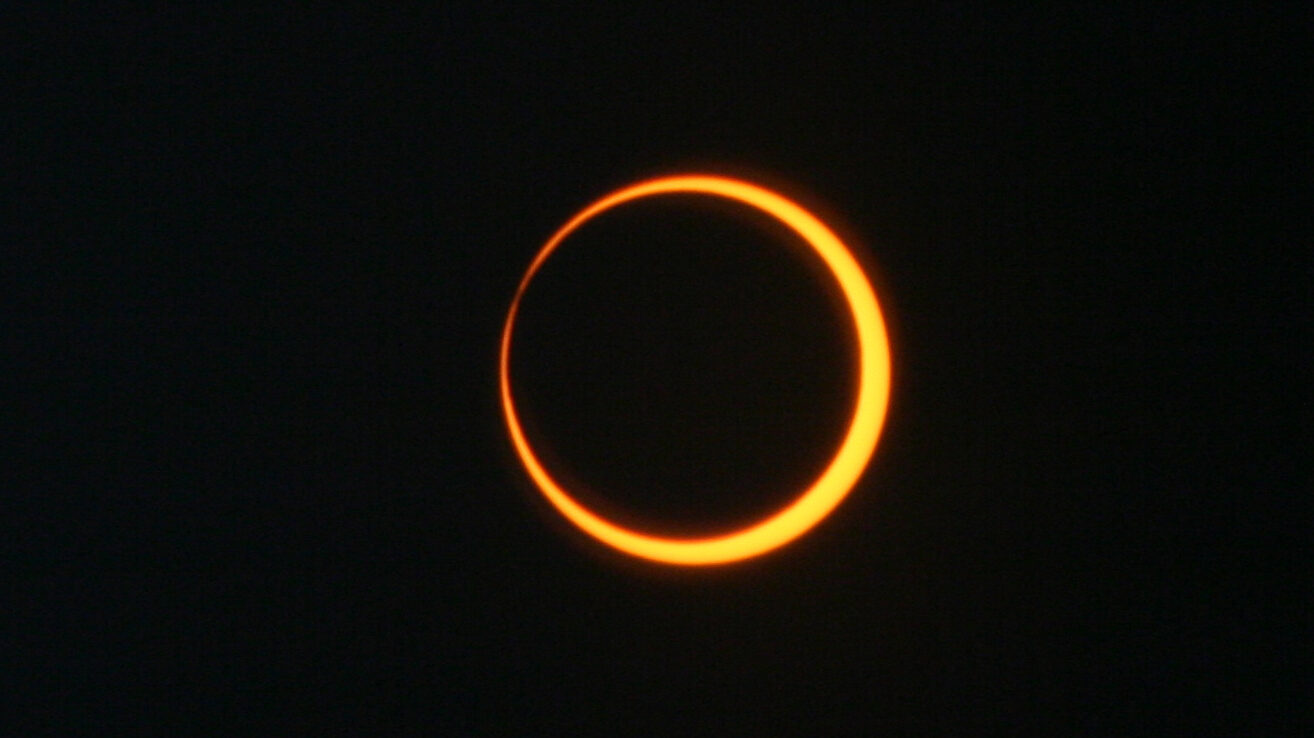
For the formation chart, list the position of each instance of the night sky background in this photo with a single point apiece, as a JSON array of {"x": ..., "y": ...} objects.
[{"x": 256, "y": 478}]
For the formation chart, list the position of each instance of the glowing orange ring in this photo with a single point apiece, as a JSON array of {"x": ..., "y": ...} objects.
[{"x": 854, "y": 452}]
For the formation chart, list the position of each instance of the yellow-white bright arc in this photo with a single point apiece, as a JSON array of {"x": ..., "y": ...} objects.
[{"x": 854, "y": 452}]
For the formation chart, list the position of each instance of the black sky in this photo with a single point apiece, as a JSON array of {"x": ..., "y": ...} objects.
[{"x": 259, "y": 265}]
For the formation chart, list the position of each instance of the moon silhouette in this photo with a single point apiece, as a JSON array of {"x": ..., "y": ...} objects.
[{"x": 850, "y": 459}]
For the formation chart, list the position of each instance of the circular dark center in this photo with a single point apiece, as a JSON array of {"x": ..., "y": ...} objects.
[{"x": 684, "y": 365}]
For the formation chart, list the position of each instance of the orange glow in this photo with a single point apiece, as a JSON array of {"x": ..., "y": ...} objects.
[{"x": 854, "y": 452}]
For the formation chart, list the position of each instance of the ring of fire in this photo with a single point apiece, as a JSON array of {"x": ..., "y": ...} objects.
[{"x": 834, "y": 483}]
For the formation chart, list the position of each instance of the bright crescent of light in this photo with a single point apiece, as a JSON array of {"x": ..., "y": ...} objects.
[{"x": 854, "y": 452}]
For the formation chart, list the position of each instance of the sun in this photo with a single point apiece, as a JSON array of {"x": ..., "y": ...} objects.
[{"x": 851, "y": 457}]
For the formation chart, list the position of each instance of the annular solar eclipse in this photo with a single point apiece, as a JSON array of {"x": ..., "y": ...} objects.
[{"x": 826, "y": 492}]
